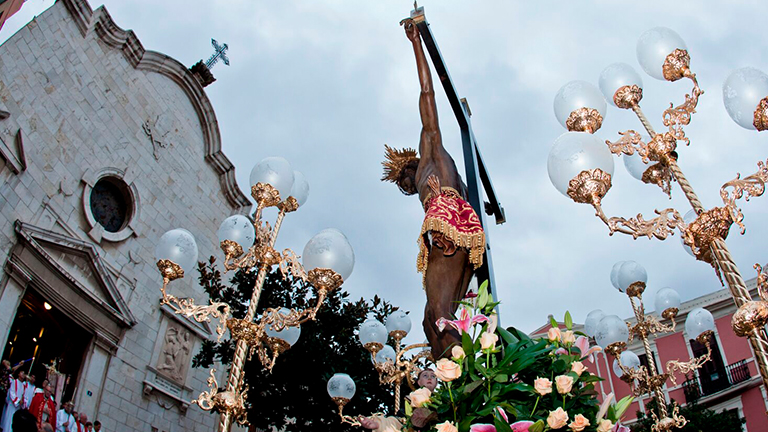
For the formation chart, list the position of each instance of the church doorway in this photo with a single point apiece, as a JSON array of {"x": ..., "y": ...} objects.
[{"x": 41, "y": 334}]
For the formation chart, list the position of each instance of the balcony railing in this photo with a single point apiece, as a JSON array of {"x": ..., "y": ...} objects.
[{"x": 697, "y": 386}]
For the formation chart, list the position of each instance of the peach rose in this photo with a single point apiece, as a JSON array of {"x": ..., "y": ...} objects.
[
  {"x": 557, "y": 418},
  {"x": 553, "y": 334},
  {"x": 568, "y": 337},
  {"x": 447, "y": 370},
  {"x": 579, "y": 423},
  {"x": 564, "y": 383},
  {"x": 446, "y": 427},
  {"x": 605, "y": 426},
  {"x": 543, "y": 386},
  {"x": 457, "y": 352},
  {"x": 420, "y": 397},
  {"x": 488, "y": 340},
  {"x": 578, "y": 367}
]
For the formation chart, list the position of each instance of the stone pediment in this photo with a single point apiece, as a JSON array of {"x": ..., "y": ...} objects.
[{"x": 79, "y": 264}]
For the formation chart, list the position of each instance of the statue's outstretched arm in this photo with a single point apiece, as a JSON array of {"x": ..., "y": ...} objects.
[{"x": 430, "y": 132}]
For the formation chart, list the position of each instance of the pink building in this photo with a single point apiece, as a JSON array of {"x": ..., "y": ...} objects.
[
  {"x": 729, "y": 382},
  {"x": 8, "y": 8}
]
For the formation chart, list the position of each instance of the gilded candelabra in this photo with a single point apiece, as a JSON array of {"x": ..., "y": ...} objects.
[
  {"x": 328, "y": 256},
  {"x": 580, "y": 166},
  {"x": 389, "y": 360},
  {"x": 614, "y": 334}
]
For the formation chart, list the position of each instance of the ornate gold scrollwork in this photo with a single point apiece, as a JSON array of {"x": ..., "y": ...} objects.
[
  {"x": 748, "y": 187},
  {"x": 265, "y": 195},
  {"x": 584, "y": 120},
  {"x": 660, "y": 175},
  {"x": 761, "y": 115},
  {"x": 628, "y": 96},
  {"x": 675, "y": 67},
  {"x": 589, "y": 186},
  {"x": 708, "y": 226},
  {"x": 762, "y": 282},
  {"x": 657, "y": 149},
  {"x": 226, "y": 402},
  {"x": 187, "y": 306},
  {"x": 661, "y": 227},
  {"x": 393, "y": 372},
  {"x": 170, "y": 270}
]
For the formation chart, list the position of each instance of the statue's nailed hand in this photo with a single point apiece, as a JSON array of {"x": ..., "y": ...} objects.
[{"x": 411, "y": 31}]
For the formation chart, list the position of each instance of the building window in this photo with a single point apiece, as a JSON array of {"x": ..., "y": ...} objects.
[
  {"x": 712, "y": 374},
  {"x": 111, "y": 203}
]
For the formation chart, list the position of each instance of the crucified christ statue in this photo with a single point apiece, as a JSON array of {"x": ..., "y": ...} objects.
[{"x": 452, "y": 241}]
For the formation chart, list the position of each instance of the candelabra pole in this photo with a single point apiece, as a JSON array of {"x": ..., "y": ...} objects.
[
  {"x": 723, "y": 260},
  {"x": 241, "y": 349},
  {"x": 652, "y": 373}
]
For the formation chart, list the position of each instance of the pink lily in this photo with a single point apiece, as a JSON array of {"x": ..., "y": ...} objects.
[
  {"x": 464, "y": 323},
  {"x": 582, "y": 343},
  {"x": 619, "y": 428},
  {"x": 607, "y": 399},
  {"x": 518, "y": 426},
  {"x": 561, "y": 351}
]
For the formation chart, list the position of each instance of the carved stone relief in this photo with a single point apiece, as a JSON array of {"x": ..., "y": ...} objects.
[{"x": 173, "y": 361}]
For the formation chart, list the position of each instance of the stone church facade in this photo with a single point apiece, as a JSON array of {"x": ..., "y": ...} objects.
[{"x": 104, "y": 146}]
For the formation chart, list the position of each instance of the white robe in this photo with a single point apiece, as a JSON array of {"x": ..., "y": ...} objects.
[
  {"x": 13, "y": 402},
  {"x": 61, "y": 418},
  {"x": 28, "y": 395}
]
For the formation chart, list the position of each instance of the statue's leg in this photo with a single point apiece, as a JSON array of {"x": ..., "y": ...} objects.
[{"x": 446, "y": 280}]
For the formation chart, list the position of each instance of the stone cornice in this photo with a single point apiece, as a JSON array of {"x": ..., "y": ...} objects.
[{"x": 101, "y": 23}]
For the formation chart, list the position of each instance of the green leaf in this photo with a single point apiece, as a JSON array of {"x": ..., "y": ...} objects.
[
  {"x": 537, "y": 427},
  {"x": 502, "y": 378},
  {"x": 408, "y": 408},
  {"x": 506, "y": 336},
  {"x": 469, "y": 388},
  {"x": 568, "y": 321},
  {"x": 622, "y": 406},
  {"x": 482, "y": 297},
  {"x": 501, "y": 425}
]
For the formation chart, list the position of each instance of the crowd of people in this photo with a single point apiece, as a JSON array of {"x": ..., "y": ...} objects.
[{"x": 28, "y": 408}]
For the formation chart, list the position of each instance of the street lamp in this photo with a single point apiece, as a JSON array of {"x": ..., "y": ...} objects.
[
  {"x": 580, "y": 169},
  {"x": 388, "y": 360},
  {"x": 328, "y": 260},
  {"x": 614, "y": 334}
]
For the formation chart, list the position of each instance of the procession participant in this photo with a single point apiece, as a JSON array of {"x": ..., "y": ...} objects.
[
  {"x": 82, "y": 419},
  {"x": 42, "y": 406},
  {"x": 23, "y": 421},
  {"x": 29, "y": 392},
  {"x": 65, "y": 421},
  {"x": 15, "y": 399},
  {"x": 97, "y": 426}
]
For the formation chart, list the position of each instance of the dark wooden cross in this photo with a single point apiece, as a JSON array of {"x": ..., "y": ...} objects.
[
  {"x": 476, "y": 173},
  {"x": 219, "y": 53}
]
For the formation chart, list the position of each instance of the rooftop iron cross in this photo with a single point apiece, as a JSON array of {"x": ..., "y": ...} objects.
[
  {"x": 220, "y": 52},
  {"x": 474, "y": 166}
]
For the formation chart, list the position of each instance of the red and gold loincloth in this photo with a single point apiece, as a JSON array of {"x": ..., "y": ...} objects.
[{"x": 448, "y": 214}]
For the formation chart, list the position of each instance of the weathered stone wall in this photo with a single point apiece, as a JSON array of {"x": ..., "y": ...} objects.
[{"x": 81, "y": 99}]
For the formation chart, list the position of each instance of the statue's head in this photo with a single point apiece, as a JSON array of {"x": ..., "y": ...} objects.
[
  {"x": 400, "y": 168},
  {"x": 427, "y": 378}
]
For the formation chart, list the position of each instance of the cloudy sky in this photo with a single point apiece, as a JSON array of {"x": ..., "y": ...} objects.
[{"x": 326, "y": 84}]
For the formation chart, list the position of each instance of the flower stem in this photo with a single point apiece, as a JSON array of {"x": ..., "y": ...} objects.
[
  {"x": 450, "y": 393},
  {"x": 535, "y": 405}
]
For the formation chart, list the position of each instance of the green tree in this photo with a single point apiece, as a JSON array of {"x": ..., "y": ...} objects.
[
  {"x": 294, "y": 395},
  {"x": 700, "y": 419}
]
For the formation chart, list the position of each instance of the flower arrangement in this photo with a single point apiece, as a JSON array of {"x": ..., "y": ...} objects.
[{"x": 502, "y": 380}]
